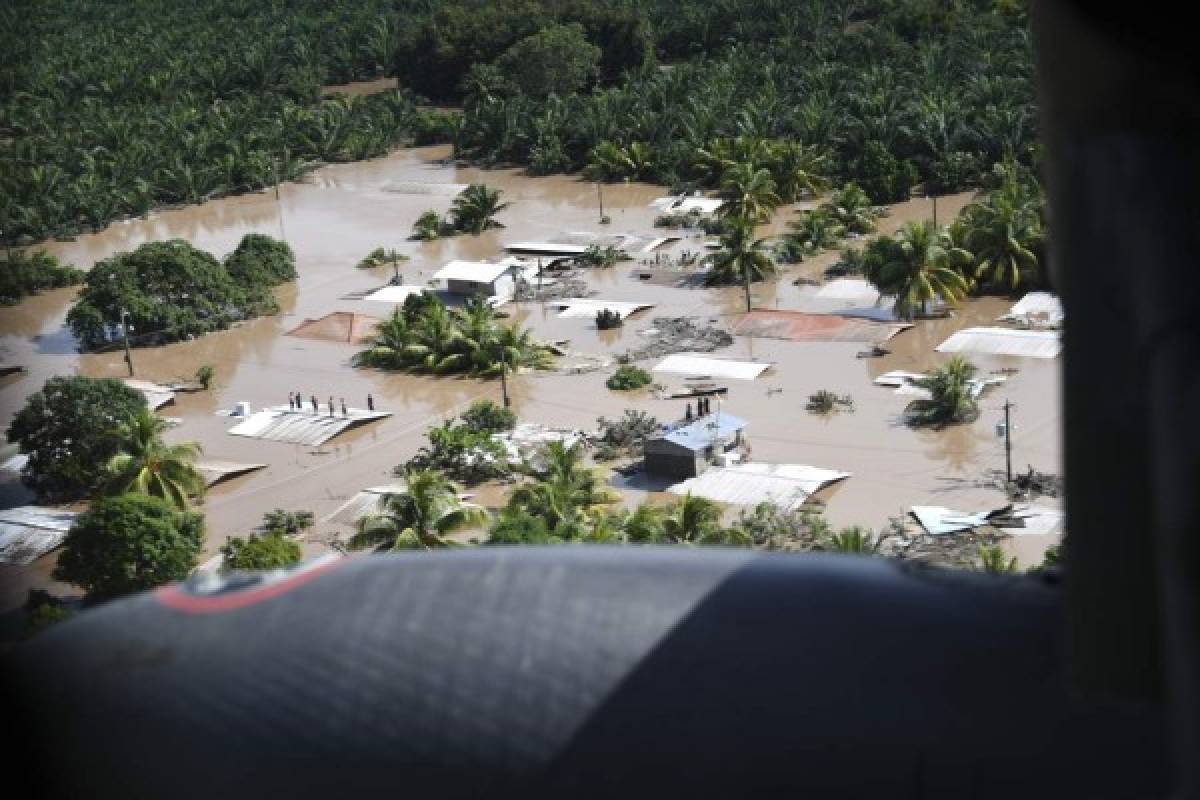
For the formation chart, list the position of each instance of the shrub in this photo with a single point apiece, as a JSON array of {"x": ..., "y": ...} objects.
[
  {"x": 487, "y": 415},
  {"x": 628, "y": 377},
  {"x": 130, "y": 543},
  {"x": 23, "y": 274},
  {"x": 261, "y": 261},
  {"x": 825, "y": 401},
  {"x": 265, "y": 551},
  {"x": 204, "y": 375},
  {"x": 607, "y": 319}
]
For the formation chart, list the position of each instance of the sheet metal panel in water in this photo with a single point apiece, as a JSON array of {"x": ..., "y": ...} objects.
[
  {"x": 1004, "y": 342},
  {"x": 29, "y": 532},
  {"x": 302, "y": 427},
  {"x": 580, "y": 307},
  {"x": 699, "y": 366}
]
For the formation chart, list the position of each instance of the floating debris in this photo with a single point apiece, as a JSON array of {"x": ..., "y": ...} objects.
[{"x": 679, "y": 334}]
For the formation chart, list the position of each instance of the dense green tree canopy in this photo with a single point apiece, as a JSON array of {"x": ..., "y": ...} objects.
[
  {"x": 130, "y": 543},
  {"x": 171, "y": 290},
  {"x": 558, "y": 59},
  {"x": 23, "y": 274},
  {"x": 269, "y": 550},
  {"x": 70, "y": 431}
]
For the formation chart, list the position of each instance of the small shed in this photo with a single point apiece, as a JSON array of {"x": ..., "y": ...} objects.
[
  {"x": 686, "y": 451},
  {"x": 481, "y": 277}
]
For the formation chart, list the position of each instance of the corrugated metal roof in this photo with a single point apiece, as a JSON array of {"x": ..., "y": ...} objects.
[
  {"x": 156, "y": 394},
  {"x": 802, "y": 326},
  {"x": 786, "y": 485},
  {"x": 547, "y": 248},
  {"x": 704, "y": 431},
  {"x": 280, "y": 424},
  {"x": 699, "y": 366},
  {"x": 393, "y": 294},
  {"x": 29, "y": 532},
  {"x": 1003, "y": 342},
  {"x": 363, "y": 503},
  {"x": 705, "y": 205},
  {"x": 217, "y": 471}
]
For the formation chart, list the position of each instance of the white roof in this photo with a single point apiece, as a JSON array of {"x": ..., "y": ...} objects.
[
  {"x": 854, "y": 290},
  {"x": 938, "y": 520},
  {"x": 363, "y": 503},
  {"x": 785, "y": 485},
  {"x": 1036, "y": 310},
  {"x": 697, "y": 365},
  {"x": 29, "y": 532},
  {"x": 217, "y": 471},
  {"x": 584, "y": 307},
  {"x": 547, "y": 248},
  {"x": 302, "y": 427},
  {"x": 1004, "y": 342},
  {"x": 15, "y": 463},
  {"x": 476, "y": 271},
  {"x": 393, "y": 294},
  {"x": 705, "y": 205},
  {"x": 1039, "y": 520}
]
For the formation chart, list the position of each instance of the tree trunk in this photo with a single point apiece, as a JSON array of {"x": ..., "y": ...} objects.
[{"x": 746, "y": 285}]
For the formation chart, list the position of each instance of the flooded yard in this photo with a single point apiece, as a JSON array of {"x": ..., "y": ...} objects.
[{"x": 342, "y": 212}]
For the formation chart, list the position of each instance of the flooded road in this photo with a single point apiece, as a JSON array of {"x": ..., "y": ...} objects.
[{"x": 342, "y": 212}]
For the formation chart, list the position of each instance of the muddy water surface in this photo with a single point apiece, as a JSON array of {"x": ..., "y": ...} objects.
[{"x": 342, "y": 212}]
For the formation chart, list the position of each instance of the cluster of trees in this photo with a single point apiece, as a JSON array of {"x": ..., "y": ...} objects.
[
  {"x": 913, "y": 92},
  {"x": 995, "y": 245},
  {"x": 111, "y": 110},
  {"x": 465, "y": 450},
  {"x": 268, "y": 547},
  {"x": 473, "y": 211},
  {"x": 426, "y": 336},
  {"x": 950, "y": 398},
  {"x": 170, "y": 290},
  {"x": 23, "y": 274}
]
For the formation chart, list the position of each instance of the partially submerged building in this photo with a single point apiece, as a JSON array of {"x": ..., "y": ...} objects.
[
  {"x": 687, "y": 450},
  {"x": 482, "y": 278}
]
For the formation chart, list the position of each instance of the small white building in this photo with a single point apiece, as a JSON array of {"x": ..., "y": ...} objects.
[{"x": 498, "y": 279}]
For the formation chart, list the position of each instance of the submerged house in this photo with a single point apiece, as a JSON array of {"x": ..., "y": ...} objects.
[
  {"x": 687, "y": 450},
  {"x": 483, "y": 278}
]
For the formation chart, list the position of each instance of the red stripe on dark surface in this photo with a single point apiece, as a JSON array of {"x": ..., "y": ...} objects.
[{"x": 177, "y": 598}]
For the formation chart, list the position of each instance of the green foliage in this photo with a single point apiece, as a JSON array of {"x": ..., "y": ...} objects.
[
  {"x": 288, "y": 523},
  {"x": 475, "y": 208},
  {"x": 204, "y": 375},
  {"x": 425, "y": 336},
  {"x": 563, "y": 492},
  {"x": 112, "y": 110},
  {"x": 950, "y": 401},
  {"x": 853, "y": 540},
  {"x": 993, "y": 559},
  {"x": 144, "y": 464},
  {"x": 429, "y": 226},
  {"x": 173, "y": 291},
  {"x": 23, "y": 273},
  {"x": 558, "y": 59},
  {"x": 129, "y": 543},
  {"x": 270, "y": 550},
  {"x": 628, "y": 377},
  {"x": 748, "y": 194},
  {"x": 597, "y": 256},
  {"x": 418, "y": 518},
  {"x": 489, "y": 417},
  {"x": 741, "y": 259},
  {"x": 379, "y": 257},
  {"x": 812, "y": 232},
  {"x": 43, "y": 611},
  {"x": 607, "y": 319},
  {"x": 769, "y": 527},
  {"x": 462, "y": 452},
  {"x": 260, "y": 260},
  {"x": 1005, "y": 233},
  {"x": 69, "y": 429},
  {"x": 919, "y": 265},
  {"x": 625, "y": 435},
  {"x": 884, "y": 177}
]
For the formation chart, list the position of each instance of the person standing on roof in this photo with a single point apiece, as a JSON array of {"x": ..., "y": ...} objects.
[
  {"x": 331, "y": 405},
  {"x": 314, "y": 404},
  {"x": 370, "y": 403},
  {"x": 343, "y": 401}
]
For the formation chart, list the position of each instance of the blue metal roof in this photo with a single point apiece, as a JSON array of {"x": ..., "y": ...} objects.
[{"x": 700, "y": 434}]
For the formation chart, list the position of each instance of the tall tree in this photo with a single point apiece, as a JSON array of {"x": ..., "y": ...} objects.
[
  {"x": 741, "y": 259},
  {"x": 747, "y": 194},
  {"x": 475, "y": 208},
  {"x": 918, "y": 265}
]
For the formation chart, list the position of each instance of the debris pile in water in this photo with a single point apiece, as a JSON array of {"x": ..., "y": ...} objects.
[
  {"x": 669, "y": 335},
  {"x": 559, "y": 286}
]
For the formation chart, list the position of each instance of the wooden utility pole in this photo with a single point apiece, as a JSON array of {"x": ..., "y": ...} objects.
[
  {"x": 600, "y": 194},
  {"x": 125, "y": 339},
  {"x": 504, "y": 377},
  {"x": 1007, "y": 442}
]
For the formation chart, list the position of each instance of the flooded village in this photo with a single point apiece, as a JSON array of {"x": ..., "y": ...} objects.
[{"x": 338, "y": 214}]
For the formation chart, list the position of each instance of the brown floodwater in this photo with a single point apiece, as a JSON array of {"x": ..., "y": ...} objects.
[{"x": 342, "y": 212}]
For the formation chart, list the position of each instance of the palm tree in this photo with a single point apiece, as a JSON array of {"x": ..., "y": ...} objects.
[
  {"x": 799, "y": 169},
  {"x": 851, "y": 207},
  {"x": 693, "y": 520},
  {"x": 420, "y": 517},
  {"x": 747, "y": 194},
  {"x": 815, "y": 231},
  {"x": 853, "y": 540},
  {"x": 475, "y": 208},
  {"x": 1004, "y": 235},
  {"x": 741, "y": 258},
  {"x": 563, "y": 488},
  {"x": 435, "y": 342},
  {"x": 950, "y": 397},
  {"x": 147, "y": 465},
  {"x": 388, "y": 347},
  {"x": 378, "y": 257},
  {"x": 918, "y": 265}
]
